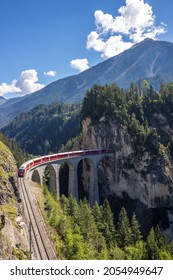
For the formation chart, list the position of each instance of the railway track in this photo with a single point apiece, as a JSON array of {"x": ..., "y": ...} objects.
[{"x": 40, "y": 245}]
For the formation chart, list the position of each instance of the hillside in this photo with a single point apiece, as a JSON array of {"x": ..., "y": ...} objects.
[
  {"x": 87, "y": 233},
  {"x": 45, "y": 128},
  {"x": 13, "y": 240},
  {"x": 150, "y": 60}
]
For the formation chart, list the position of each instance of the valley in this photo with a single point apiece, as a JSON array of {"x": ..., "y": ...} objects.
[{"x": 124, "y": 104}]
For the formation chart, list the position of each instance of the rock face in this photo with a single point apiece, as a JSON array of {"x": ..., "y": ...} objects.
[
  {"x": 143, "y": 184},
  {"x": 7, "y": 170},
  {"x": 13, "y": 239}
]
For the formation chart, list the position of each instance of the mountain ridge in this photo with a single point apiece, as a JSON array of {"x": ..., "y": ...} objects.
[
  {"x": 2, "y": 100},
  {"x": 150, "y": 60}
]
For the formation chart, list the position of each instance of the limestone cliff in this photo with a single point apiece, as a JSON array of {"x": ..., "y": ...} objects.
[
  {"x": 141, "y": 181},
  {"x": 13, "y": 241}
]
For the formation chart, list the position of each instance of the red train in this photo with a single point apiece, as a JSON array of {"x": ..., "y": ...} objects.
[{"x": 37, "y": 161}]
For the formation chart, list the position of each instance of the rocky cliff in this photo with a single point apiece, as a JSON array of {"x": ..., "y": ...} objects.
[
  {"x": 141, "y": 182},
  {"x": 13, "y": 239}
]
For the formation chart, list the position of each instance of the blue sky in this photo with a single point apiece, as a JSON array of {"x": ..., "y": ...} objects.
[{"x": 45, "y": 40}]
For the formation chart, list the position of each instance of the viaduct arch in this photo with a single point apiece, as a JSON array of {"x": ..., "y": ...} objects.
[{"x": 37, "y": 174}]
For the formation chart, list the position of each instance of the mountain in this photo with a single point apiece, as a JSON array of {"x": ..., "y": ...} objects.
[
  {"x": 2, "y": 100},
  {"x": 151, "y": 60}
]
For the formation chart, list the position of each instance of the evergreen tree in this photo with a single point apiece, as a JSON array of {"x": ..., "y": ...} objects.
[
  {"x": 73, "y": 209},
  {"x": 108, "y": 224},
  {"x": 135, "y": 230},
  {"x": 134, "y": 252},
  {"x": 161, "y": 239},
  {"x": 98, "y": 217},
  {"x": 115, "y": 253},
  {"x": 86, "y": 221},
  {"x": 100, "y": 249},
  {"x": 124, "y": 233},
  {"x": 151, "y": 248},
  {"x": 64, "y": 203},
  {"x": 75, "y": 246}
]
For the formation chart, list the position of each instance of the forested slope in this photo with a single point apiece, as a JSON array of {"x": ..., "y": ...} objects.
[
  {"x": 89, "y": 233},
  {"x": 45, "y": 128}
]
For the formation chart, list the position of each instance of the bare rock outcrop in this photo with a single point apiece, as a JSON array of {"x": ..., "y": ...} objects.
[{"x": 13, "y": 237}]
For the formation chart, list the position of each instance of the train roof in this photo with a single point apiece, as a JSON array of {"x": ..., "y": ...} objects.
[{"x": 52, "y": 155}]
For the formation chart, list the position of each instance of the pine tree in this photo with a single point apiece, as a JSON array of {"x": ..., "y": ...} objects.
[
  {"x": 99, "y": 247},
  {"x": 86, "y": 221},
  {"x": 134, "y": 252},
  {"x": 75, "y": 247},
  {"x": 124, "y": 233},
  {"x": 64, "y": 202},
  {"x": 73, "y": 209},
  {"x": 162, "y": 241},
  {"x": 135, "y": 229},
  {"x": 151, "y": 248},
  {"x": 108, "y": 222},
  {"x": 97, "y": 213}
]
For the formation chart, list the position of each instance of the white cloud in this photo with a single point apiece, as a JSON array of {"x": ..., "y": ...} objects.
[
  {"x": 108, "y": 48},
  {"x": 50, "y": 73},
  {"x": 135, "y": 22},
  {"x": 113, "y": 46},
  {"x": 95, "y": 42},
  {"x": 5, "y": 88},
  {"x": 79, "y": 64},
  {"x": 26, "y": 83}
]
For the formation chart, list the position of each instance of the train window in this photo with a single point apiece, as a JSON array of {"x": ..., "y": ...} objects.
[
  {"x": 21, "y": 169},
  {"x": 53, "y": 157}
]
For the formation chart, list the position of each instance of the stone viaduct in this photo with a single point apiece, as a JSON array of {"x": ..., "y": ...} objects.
[{"x": 37, "y": 174}]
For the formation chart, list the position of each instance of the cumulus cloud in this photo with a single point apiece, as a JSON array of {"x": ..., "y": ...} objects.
[
  {"x": 135, "y": 22},
  {"x": 5, "y": 88},
  {"x": 50, "y": 73},
  {"x": 79, "y": 64},
  {"x": 108, "y": 48},
  {"x": 26, "y": 83}
]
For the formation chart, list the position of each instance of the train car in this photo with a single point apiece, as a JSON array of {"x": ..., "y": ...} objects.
[
  {"x": 45, "y": 159},
  {"x": 92, "y": 152},
  {"x": 40, "y": 160},
  {"x": 54, "y": 157},
  {"x": 37, "y": 161},
  {"x": 75, "y": 153},
  {"x": 24, "y": 167},
  {"x": 21, "y": 172}
]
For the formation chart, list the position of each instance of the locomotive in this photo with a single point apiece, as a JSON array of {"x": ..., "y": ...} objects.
[{"x": 37, "y": 161}]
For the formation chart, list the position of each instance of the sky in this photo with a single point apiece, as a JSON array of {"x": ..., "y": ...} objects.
[{"x": 45, "y": 40}]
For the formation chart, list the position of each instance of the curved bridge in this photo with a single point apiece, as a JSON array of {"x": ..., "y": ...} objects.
[{"x": 36, "y": 169}]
